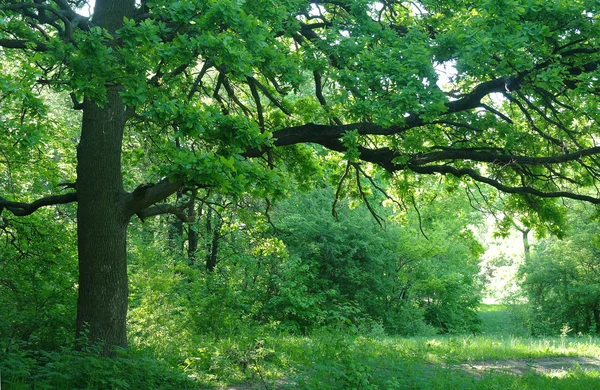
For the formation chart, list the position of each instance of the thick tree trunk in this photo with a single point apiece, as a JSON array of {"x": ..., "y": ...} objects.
[
  {"x": 102, "y": 225},
  {"x": 101, "y": 216},
  {"x": 192, "y": 244}
]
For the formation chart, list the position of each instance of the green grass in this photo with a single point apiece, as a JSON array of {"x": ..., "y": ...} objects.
[
  {"x": 328, "y": 359},
  {"x": 500, "y": 320},
  {"x": 334, "y": 360}
]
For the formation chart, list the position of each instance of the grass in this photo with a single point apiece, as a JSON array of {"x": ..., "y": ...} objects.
[
  {"x": 328, "y": 359},
  {"x": 334, "y": 360},
  {"x": 499, "y": 319}
]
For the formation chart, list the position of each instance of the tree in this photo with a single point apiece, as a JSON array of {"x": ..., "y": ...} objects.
[
  {"x": 225, "y": 94},
  {"x": 349, "y": 270},
  {"x": 561, "y": 280}
]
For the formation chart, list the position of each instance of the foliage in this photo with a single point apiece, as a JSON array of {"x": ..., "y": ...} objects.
[
  {"x": 561, "y": 281},
  {"x": 351, "y": 270},
  {"x": 28, "y": 367},
  {"x": 38, "y": 277},
  {"x": 219, "y": 108}
]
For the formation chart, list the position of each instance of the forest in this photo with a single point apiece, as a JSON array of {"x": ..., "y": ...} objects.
[{"x": 311, "y": 194}]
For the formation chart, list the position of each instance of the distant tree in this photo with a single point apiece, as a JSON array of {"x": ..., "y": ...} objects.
[
  {"x": 224, "y": 94},
  {"x": 561, "y": 279},
  {"x": 349, "y": 270}
]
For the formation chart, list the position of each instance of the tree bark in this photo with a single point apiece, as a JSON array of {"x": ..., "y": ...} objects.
[
  {"x": 102, "y": 225},
  {"x": 212, "y": 246},
  {"x": 176, "y": 236},
  {"x": 192, "y": 243},
  {"x": 102, "y": 216},
  {"x": 192, "y": 237},
  {"x": 211, "y": 256},
  {"x": 526, "y": 244}
]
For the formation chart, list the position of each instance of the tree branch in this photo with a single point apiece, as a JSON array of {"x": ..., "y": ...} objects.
[
  {"x": 497, "y": 158},
  {"x": 339, "y": 190},
  {"x": 160, "y": 209},
  {"x": 23, "y": 44},
  {"x": 523, "y": 190},
  {"x": 146, "y": 195},
  {"x": 22, "y": 209}
]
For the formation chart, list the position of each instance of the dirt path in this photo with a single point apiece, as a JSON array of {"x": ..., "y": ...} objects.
[{"x": 553, "y": 366}]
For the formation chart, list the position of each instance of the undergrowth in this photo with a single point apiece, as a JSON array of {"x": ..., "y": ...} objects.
[{"x": 330, "y": 358}]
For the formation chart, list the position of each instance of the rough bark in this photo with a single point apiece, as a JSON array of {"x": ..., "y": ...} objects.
[
  {"x": 102, "y": 225},
  {"x": 102, "y": 216}
]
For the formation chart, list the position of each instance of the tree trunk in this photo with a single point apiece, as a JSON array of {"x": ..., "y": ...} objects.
[
  {"x": 596, "y": 312},
  {"x": 102, "y": 225},
  {"x": 101, "y": 218},
  {"x": 176, "y": 236},
  {"x": 192, "y": 236},
  {"x": 212, "y": 246},
  {"x": 526, "y": 244},
  {"x": 211, "y": 256}
]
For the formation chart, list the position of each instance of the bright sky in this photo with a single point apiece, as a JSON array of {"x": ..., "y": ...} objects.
[{"x": 87, "y": 9}]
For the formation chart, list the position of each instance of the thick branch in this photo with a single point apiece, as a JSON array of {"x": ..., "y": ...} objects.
[
  {"x": 326, "y": 134},
  {"x": 70, "y": 18},
  {"x": 473, "y": 98},
  {"x": 22, "y": 44},
  {"x": 22, "y": 209},
  {"x": 161, "y": 209},
  {"x": 146, "y": 195}
]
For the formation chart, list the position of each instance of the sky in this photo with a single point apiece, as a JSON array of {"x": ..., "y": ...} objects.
[{"x": 87, "y": 9}]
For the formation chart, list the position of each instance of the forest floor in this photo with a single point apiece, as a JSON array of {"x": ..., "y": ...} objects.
[
  {"x": 503, "y": 350},
  {"x": 555, "y": 366}
]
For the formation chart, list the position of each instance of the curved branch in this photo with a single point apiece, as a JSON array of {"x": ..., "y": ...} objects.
[
  {"x": 380, "y": 221},
  {"x": 22, "y": 209},
  {"x": 70, "y": 18},
  {"x": 523, "y": 190},
  {"x": 339, "y": 190},
  {"x": 496, "y": 158},
  {"x": 269, "y": 95},
  {"x": 414, "y": 203}
]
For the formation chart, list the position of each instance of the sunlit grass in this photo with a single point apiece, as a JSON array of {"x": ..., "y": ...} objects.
[
  {"x": 340, "y": 359},
  {"x": 445, "y": 349},
  {"x": 333, "y": 360}
]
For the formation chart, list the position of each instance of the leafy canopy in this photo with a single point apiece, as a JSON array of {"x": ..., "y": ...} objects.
[{"x": 209, "y": 84}]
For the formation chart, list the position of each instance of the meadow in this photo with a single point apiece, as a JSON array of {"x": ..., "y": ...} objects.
[{"x": 341, "y": 360}]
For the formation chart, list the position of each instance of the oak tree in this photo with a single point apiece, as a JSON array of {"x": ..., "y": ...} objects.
[{"x": 234, "y": 95}]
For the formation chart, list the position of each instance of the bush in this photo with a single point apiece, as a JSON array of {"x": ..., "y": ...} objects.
[{"x": 25, "y": 367}]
